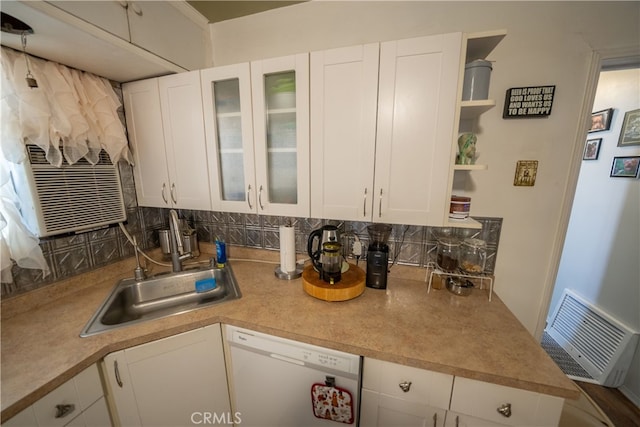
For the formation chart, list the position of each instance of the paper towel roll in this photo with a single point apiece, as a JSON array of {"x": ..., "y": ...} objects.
[{"x": 287, "y": 249}]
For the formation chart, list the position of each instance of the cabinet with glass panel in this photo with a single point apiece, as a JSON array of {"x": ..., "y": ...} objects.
[{"x": 257, "y": 125}]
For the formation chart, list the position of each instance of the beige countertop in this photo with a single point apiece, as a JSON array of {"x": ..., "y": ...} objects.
[{"x": 465, "y": 336}]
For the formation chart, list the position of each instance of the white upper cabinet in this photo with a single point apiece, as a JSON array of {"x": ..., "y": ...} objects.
[
  {"x": 280, "y": 89},
  {"x": 416, "y": 109},
  {"x": 163, "y": 28},
  {"x": 226, "y": 95},
  {"x": 413, "y": 92},
  {"x": 160, "y": 27},
  {"x": 111, "y": 16},
  {"x": 144, "y": 126},
  {"x": 344, "y": 96},
  {"x": 166, "y": 132}
]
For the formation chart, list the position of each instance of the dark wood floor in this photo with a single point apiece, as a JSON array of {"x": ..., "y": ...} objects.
[{"x": 621, "y": 411}]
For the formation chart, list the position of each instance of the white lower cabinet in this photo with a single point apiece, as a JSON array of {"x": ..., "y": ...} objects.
[
  {"x": 78, "y": 402},
  {"x": 461, "y": 420},
  {"x": 397, "y": 395},
  {"x": 382, "y": 410},
  {"x": 176, "y": 381},
  {"x": 504, "y": 405}
]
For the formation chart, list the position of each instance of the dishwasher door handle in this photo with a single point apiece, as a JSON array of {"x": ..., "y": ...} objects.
[{"x": 287, "y": 359}]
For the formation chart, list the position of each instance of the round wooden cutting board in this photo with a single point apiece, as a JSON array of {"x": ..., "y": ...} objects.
[{"x": 350, "y": 285}]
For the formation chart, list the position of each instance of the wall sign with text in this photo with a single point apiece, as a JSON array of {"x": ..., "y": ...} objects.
[{"x": 527, "y": 102}]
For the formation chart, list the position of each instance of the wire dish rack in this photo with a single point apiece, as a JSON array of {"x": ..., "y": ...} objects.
[{"x": 432, "y": 268}]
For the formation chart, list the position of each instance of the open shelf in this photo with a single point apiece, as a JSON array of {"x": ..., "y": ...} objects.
[
  {"x": 463, "y": 223},
  {"x": 480, "y": 45},
  {"x": 472, "y": 109},
  {"x": 457, "y": 167}
]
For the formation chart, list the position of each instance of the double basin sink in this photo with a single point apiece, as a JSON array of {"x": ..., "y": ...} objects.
[{"x": 134, "y": 301}]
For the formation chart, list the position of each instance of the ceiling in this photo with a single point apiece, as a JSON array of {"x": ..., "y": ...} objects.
[{"x": 216, "y": 11}]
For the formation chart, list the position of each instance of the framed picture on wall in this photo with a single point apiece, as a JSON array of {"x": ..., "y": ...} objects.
[
  {"x": 630, "y": 133},
  {"x": 601, "y": 120},
  {"x": 625, "y": 167},
  {"x": 592, "y": 149}
]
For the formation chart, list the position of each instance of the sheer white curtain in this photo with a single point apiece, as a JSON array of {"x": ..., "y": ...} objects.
[{"x": 71, "y": 114}]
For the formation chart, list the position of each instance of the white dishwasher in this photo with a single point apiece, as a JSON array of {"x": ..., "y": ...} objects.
[{"x": 278, "y": 382}]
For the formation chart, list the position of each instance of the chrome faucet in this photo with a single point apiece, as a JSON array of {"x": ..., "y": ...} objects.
[{"x": 175, "y": 243}]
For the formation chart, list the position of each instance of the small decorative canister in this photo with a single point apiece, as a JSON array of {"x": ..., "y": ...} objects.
[
  {"x": 459, "y": 207},
  {"x": 477, "y": 75}
]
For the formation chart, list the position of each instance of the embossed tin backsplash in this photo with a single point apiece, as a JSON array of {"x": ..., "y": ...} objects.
[{"x": 79, "y": 253}]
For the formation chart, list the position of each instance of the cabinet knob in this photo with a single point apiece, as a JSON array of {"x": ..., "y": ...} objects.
[
  {"x": 63, "y": 410},
  {"x": 405, "y": 386},
  {"x": 505, "y": 410}
]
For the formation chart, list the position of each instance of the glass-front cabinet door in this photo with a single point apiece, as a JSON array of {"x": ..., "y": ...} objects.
[
  {"x": 229, "y": 130},
  {"x": 281, "y": 134}
]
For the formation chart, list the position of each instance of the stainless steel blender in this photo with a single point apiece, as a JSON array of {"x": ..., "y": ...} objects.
[{"x": 378, "y": 256}]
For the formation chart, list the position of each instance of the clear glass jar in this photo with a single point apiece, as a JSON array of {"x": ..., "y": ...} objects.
[
  {"x": 473, "y": 256},
  {"x": 448, "y": 254}
]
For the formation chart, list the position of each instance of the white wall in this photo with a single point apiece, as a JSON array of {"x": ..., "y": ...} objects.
[
  {"x": 601, "y": 255},
  {"x": 548, "y": 43}
]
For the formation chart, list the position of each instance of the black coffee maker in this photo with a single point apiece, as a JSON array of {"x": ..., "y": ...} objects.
[{"x": 378, "y": 256}]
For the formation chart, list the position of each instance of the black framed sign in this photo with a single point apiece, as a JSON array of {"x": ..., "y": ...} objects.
[{"x": 528, "y": 102}]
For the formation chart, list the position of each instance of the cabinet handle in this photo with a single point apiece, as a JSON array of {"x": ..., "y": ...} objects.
[
  {"x": 124, "y": 4},
  {"x": 405, "y": 386},
  {"x": 164, "y": 187},
  {"x": 364, "y": 204},
  {"x": 117, "y": 373},
  {"x": 435, "y": 420},
  {"x": 136, "y": 8},
  {"x": 260, "y": 198},
  {"x": 248, "y": 199},
  {"x": 380, "y": 205},
  {"x": 505, "y": 410},
  {"x": 64, "y": 410},
  {"x": 173, "y": 196},
  {"x": 457, "y": 420}
]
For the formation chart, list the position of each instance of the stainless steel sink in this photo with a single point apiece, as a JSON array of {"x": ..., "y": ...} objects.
[{"x": 133, "y": 301}]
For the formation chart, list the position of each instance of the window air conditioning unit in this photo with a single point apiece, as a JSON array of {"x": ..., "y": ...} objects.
[{"x": 68, "y": 199}]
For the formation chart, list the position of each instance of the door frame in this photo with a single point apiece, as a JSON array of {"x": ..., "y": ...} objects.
[{"x": 595, "y": 67}]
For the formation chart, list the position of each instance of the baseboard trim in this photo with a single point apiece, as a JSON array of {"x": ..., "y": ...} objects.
[{"x": 629, "y": 394}]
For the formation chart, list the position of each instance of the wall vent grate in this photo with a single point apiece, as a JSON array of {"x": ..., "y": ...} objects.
[{"x": 602, "y": 345}]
